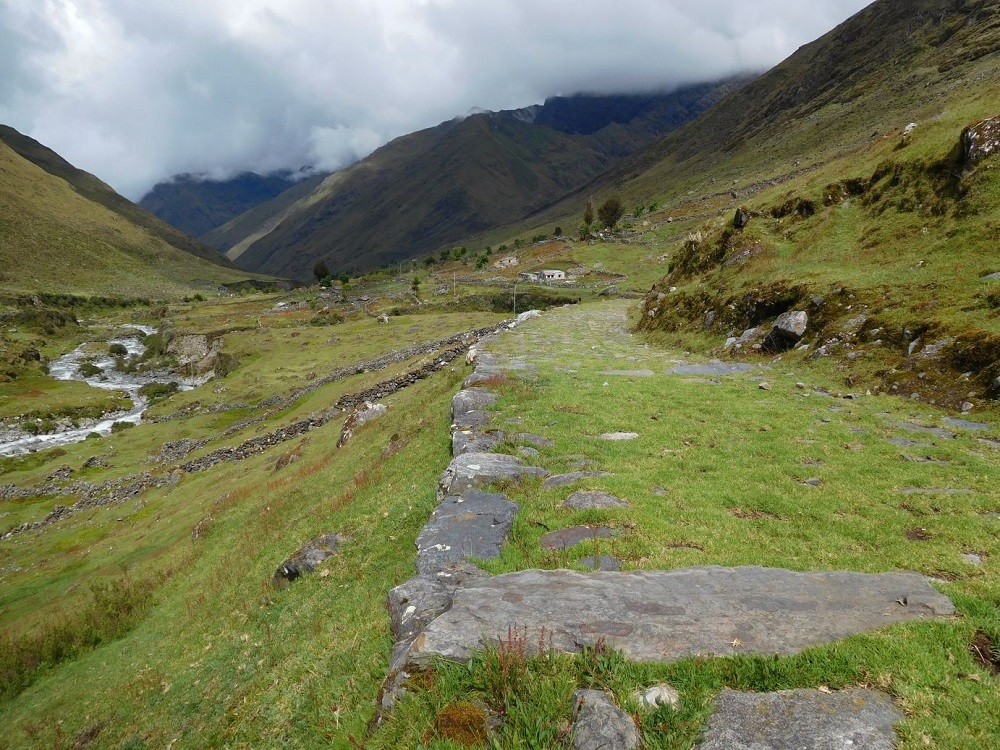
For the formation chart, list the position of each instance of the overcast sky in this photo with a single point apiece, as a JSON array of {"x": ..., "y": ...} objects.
[{"x": 138, "y": 90}]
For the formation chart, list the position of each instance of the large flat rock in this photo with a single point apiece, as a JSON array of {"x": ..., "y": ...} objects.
[
  {"x": 473, "y": 524},
  {"x": 472, "y": 469},
  {"x": 796, "y": 719},
  {"x": 663, "y": 616}
]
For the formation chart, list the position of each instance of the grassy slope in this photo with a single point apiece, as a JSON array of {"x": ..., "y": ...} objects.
[{"x": 55, "y": 239}]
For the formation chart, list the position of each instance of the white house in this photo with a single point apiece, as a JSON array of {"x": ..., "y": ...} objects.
[{"x": 553, "y": 275}]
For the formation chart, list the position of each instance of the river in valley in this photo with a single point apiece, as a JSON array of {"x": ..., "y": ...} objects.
[{"x": 67, "y": 367}]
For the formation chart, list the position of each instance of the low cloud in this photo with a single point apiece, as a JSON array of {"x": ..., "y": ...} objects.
[{"x": 136, "y": 92}]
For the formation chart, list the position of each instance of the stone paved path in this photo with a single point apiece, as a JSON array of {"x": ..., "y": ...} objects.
[{"x": 664, "y": 615}]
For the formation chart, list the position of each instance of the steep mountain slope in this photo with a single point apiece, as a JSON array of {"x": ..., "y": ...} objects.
[
  {"x": 196, "y": 205},
  {"x": 91, "y": 188},
  {"x": 63, "y": 230},
  {"x": 439, "y": 185}
]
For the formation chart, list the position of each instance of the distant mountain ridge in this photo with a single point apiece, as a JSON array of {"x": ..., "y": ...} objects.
[
  {"x": 196, "y": 205},
  {"x": 437, "y": 186}
]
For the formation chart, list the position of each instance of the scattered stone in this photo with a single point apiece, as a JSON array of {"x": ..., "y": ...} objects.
[
  {"x": 307, "y": 558},
  {"x": 536, "y": 440},
  {"x": 414, "y": 605},
  {"x": 802, "y": 719},
  {"x": 973, "y": 558},
  {"x": 61, "y": 474},
  {"x": 923, "y": 460},
  {"x": 364, "y": 413},
  {"x": 96, "y": 462},
  {"x": 980, "y": 141},
  {"x": 935, "y": 431},
  {"x": 812, "y": 481},
  {"x": 600, "y": 724},
  {"x": 652, "y": 698},
  {"x": 964, "y": 424},
  {"x": 666, "y": 615},
  {"x": 573, "y": 535},
  {"x": 561, "y": 480},
  {"x": 471, "y": 470},
  {"x": 989, "y": 443},
  {"x": 764, "y": 386},
  {"x": 967, "y": 407},
  {"x": 601, "y": 562},
  {"x": 528, "y": 452},
  {"x": 619, "y": 436},
  {"x": 787, "y": 332},
  {"x": 904, "y": 443},
  {"x": 748, "y": 336},
  {"x": 473, "y": 524},
  {"x": 592, "y": 500}
]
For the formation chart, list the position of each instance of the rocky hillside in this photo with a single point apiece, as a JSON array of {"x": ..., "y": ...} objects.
[{"x": 437, "y": 186}]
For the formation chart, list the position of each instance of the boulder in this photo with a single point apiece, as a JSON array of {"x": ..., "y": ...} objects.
[
  {"x": 600, "y": 724},
  {"x": 741, "y": 218},
  {"x": 980, "y": 141},
  {"x": 363, "y": 414},
  {"x": 307, "y": 558},
  {"x": 788, "y": 331},
  {"x": 473, "y": 441}
]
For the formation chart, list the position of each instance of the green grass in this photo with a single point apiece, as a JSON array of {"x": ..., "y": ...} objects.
[{"x": 715, "y": 478}]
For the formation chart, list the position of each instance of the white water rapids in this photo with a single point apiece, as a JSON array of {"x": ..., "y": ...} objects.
[{"x": 67, "y": 367}]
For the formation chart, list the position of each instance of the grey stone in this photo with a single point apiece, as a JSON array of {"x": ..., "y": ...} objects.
[
  {"x": 666, "y": 615},
  {"x": 476, "y": 469},
  {"x": 990, "y": 443},
  {"x": 741, "y": 218},
  {"x": 972, "y": 558},
  {"x": 473, "y": 524},
  {"x": 965, "y": 424},
  {"x": 788, "y": 331},
  {"x": 796, "y": 719},
  {"x": 935, "y": 431},
  {"x": 473, "y": 441},
  {"x": 363, "y": 414},
  {"x": 471, "y": 400},
  {"x": 573, "y": 535},
  {"x": 414, "y": 605},
  {"x": 561, "y": 480},
  {"x": 980, "y": 141},
  {"x": 718, "y": 368},
  {"x": 601, "y": 562},
  {"x": 307, "y": 558},
  {"x": 591, "y": 499},
  {"x": 904, "y": 443},
  {"x": 619, "y": 436},
  {"x": 600, "y": 724},
  {"x": 528, "y": 452},
  {"x": 923, "y": 460},
  {"x": 536, "y": 440}
]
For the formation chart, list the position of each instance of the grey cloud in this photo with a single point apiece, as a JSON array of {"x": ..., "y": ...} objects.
[{"x": 135, "y": 92}]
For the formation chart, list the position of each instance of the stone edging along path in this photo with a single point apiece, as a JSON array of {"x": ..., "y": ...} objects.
[{"x": 452, "y": 608}]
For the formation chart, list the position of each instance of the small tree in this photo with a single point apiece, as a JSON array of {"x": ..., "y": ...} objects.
[
  {"x": 321, "y": 270},
  {"x": 416, "y": 286},
  {"x": 611, "y": 211},
  {"x": 557, "y": 232},
  {"x": 588, "y": 213},
  {"x": 343, "y": 279}
]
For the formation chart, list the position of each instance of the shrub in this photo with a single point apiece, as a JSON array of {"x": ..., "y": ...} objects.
[
  {"x": 121, "y": 426},
  {"x": 154, "y": 391},
  {"x": 89, "y": 369},
  {"x": 118, "y": 350}
]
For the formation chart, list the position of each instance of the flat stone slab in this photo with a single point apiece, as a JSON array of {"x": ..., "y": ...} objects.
[
  {"x": 307, "y": 558},
  {"x": 616, "y": 436},
  {"x": 592, "y": 500},
  {"x": 536, "y": 440},
  {"x": 628, "y": 373},
  {"x": 415, "y": 604},
  {"x": 602, "y": 562},
  {"x": 935, "y": 431},
  {"x": 471, "y": 399},
  {"x": 573, "y": 535},
  {"x": 473, "y": 524},
  {"x": 797, "y": 719},
  {"x": 666, "y": 615},
  {"x": 720, "y": 368},
  {"x": 474, "y": 441},
  {"x": 473, "y": 469},
  {"x": 965, "y": 424},
  {"x": 906, "y": 443},
  {"x": 561, "y": 480}
]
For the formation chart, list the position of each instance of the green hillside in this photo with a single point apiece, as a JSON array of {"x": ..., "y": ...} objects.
[{"x": 64, "y": 231}]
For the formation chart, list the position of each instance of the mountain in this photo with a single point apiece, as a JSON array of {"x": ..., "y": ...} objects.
[
  {"x": 196, "y": 205},
  {"x": 66, "y": 231},
  {"x": 437, "y": 186}
]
